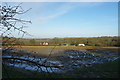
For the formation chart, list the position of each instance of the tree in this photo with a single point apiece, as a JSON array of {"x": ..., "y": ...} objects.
[
  {"x": 32, "y": 41},
  {"x": 9, "y": 22}
]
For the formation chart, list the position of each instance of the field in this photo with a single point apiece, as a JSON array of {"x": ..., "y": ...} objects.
[
  {"x": 45, "y": 50},
  {"x": 106, "y": 70},
  {"x": 93, "y": 62}
]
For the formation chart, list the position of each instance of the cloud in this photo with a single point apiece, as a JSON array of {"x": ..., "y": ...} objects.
[
  {"x": 42, "y": 12},
  {"x": 61, "y": 9},
  {"x": 58, "y": 11}
]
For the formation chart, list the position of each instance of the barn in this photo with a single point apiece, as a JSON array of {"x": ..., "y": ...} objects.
[{"x": 81, "y": 44}]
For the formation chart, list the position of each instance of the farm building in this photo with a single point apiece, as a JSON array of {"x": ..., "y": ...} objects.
[
  {"x": 81, "y": 44},
  {"x": 44, "y": 43}
]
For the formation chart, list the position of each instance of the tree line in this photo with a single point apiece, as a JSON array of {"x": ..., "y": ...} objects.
[{"x": 90, "y": 41}]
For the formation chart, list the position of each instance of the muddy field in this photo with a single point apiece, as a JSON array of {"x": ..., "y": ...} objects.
[
  {"x": 46, "y": 50},
  {"x": 59, "y": 58}
]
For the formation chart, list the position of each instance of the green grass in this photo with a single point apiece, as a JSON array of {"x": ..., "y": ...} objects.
[
  {"x": 14, "y": 73},
  {"x": 106, "y": 70},
  {"x": 9, "y": 72}
]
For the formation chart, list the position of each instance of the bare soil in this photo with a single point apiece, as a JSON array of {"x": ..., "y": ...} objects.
[{"x": 46, "y": 50}]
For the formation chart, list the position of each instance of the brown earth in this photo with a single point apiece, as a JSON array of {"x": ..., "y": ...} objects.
[{"x": 46, "y": 50}]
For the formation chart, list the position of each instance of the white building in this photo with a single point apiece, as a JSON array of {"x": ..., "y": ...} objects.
[
  {"x": 81, "y": 44},
  {"x": 45, "y": 43}
]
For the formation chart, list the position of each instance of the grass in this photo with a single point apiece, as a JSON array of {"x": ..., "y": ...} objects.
[
  {"x": 106, "y": 70},
  {"x": 20, "y": 73}
]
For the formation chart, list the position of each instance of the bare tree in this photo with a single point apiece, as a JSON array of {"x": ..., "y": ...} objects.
[
  {"x": 9, "y": 21},
  {"x": 8, "y": 17}
]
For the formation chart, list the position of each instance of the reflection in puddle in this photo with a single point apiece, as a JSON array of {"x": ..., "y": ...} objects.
[
  {"x": 68, "y": 61},
  {"x": 30, "y": 66}
]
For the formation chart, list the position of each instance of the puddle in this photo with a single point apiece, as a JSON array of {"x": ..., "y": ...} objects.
[
  {"x": 30, "y": 66},
  {"x": 75, "y": 59}
]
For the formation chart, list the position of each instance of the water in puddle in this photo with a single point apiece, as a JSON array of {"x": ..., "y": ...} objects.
[
  {"x": 86, "y": 60},
  {"x": 33, "y": 67}
]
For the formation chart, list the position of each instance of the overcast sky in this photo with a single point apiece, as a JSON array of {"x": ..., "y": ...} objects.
[{"x": 71, "y": 19}]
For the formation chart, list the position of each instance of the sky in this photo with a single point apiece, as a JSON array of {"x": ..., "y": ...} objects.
[{"x": 70, "y": 19}]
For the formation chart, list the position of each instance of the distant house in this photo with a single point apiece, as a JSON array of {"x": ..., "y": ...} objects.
[
  {"x": 81, "y": 44},
  {"x": 44, "y": 43}
]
